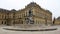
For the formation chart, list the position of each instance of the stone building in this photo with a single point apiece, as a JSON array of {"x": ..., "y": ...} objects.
[
  {"x": 31, "y": 14},
  {"x": 6, "y": 16},
  {"x": 57, "y": 21}
]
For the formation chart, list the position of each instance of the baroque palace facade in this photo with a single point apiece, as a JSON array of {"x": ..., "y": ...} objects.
[{"x": 31, "y": 14}]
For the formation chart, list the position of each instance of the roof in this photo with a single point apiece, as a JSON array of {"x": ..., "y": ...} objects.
[
  {"x": 33, "y": 4},
  {"x": 6, "y": 11}
]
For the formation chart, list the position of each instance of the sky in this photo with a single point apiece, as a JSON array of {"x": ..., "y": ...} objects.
[{"x": 52, "y": 5}]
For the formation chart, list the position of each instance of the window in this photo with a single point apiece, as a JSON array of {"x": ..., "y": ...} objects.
[
  {"x": 5, "y": 22},
  {"x": 5, "y": 16},
  {"x": 2, "y": 22},
  {"x": 30, "y": 13}
]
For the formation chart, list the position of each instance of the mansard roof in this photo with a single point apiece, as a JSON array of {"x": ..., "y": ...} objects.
[
  {"x": 5, "y": 11},
  {"x": 32, "y": 4},
  {"x": 48, "y": 11},
  {"x": 13, "y": 10}
]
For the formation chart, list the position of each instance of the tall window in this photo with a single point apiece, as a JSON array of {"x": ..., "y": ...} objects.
[{"x": 30, "y": 13}]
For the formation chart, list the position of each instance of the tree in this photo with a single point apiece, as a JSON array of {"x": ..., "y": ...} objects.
[{"x": 54, "y": 20}]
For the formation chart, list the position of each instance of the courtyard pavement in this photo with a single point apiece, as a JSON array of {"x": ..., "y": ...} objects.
[{"x": 3, "y": 31}]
